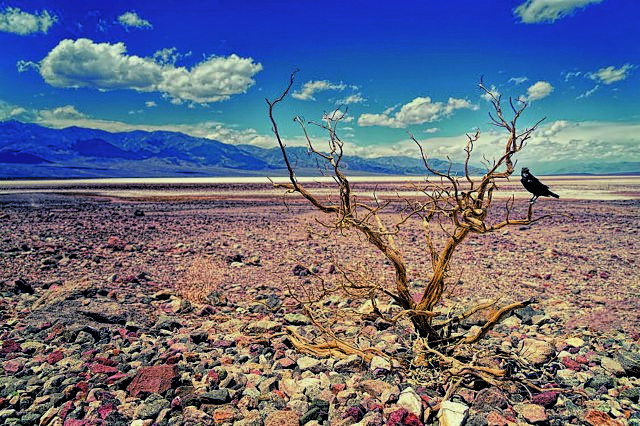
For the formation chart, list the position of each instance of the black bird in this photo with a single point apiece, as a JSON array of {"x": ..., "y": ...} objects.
[{"x": 534, "y": 186}]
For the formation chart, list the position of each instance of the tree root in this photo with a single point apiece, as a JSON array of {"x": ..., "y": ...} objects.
[
  {"x": 335, "y": 348},
  {"x": 496, "y": 318}
]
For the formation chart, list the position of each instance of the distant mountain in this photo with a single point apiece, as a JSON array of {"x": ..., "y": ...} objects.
[{"x": 36, "y": 152}]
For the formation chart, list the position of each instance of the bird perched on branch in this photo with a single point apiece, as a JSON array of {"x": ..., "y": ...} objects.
[{"x": 534, "y": 186}]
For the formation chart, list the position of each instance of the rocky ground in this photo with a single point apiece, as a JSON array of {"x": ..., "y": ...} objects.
[{"x": 170, "y": 312}]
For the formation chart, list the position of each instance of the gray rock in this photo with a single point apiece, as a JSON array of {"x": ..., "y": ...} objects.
[
  {"x": 264, "y": 326},
  {"x": 598, "y": 381},
  {"x": 612, "y": 366},
  {"x": 217, "y": 397},
  {"x": 567, "y": 377},
  {"x": 166, "y": 322},
  {"x": 151, "y": 407},
  {"x": 84, "y": 338},
  {"x": 630, "y": 361},
  {"x": 252, "y": 418},
  {"x": 297, "y": 319},
  {"x": 348, "y": 363}
]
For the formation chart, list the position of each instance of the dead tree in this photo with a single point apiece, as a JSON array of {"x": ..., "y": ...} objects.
[{"x": 453, "y": 206}]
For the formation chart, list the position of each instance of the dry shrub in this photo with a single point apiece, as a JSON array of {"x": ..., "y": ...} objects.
[{"x": 203, "y": 280}]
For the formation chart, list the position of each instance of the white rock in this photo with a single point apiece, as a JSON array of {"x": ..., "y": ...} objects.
[
  {"x": 452, "y": 413},
  {"x": 309, "y": 363},
  {"x": 535, "y": 351},
  {"x": 410, "y": 400},
  {"x": 576, "y": 342},
  {"x": 379, "y": 362}
]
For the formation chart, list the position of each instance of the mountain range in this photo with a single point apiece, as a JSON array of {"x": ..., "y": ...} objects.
[{"x": 31, "y": 151}]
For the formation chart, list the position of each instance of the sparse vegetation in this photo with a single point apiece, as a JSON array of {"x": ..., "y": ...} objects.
[{"x": 380, "y": 290}]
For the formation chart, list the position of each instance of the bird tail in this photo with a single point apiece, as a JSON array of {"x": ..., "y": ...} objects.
[{"x": 554, "y": 195}]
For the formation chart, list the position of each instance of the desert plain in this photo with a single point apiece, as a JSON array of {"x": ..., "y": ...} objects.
[{"x": 166, "y": 302}]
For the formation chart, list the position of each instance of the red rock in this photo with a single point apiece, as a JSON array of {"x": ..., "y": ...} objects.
[
  {"x": 55, "y": 356},
  {"x": 75, "y": 422},
  {"x": 154, "y": 379},
  {"x": 83, "y": 386},
  {"x": 105, "y": 409},
  {"x": 532, "y": 413},
  {"x": 10, "y": 346},
  {"x": 115, "y": 378},
  {"x": 598, "y": 418},
  {"x": 546, "y": 399},
  {"x": 12, "y": 366},
  {"x": 571, "y": 364},
  {"x": 174, "y": 359},
  {"x": 67, "y": 407},
  {"x": 581, "y": 359},
  {"x": 337, "y": 388},
  {"x": 403, "y": 417},
  {"x": 97, "y": 368},
  {"x": 106, "y": 361},
  {"x": 496, "y": 419}
]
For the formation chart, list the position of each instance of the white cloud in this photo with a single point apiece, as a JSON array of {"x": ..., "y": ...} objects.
[
  {"x": 13, "y": 20},
  {"x": 355, "y": 98},
  {"x": 518, "y": 80},
  {"x": 63, "y": 113},
  {"x": 553, "y": 128},
  {"x": 549, "y": 11},
  {"x": 588, "y": 93},
  {"x": 610, "y": 74},
  {"x": 310, "y": 88},
  {"x": 420, "y": 110},
  {"x": 493, "y": 92},
  {"x": 539, "y": 90},
  {"x": 9, "y": 111},
  {"x": 169, "y": 55},
  {"x": 560, "y": 142},
  {"x": 150, "y": 104},
  {"x": 104, "y": 66},
  {"x": 431, "y": 130},
  {"x": 571, "y": 74},
  {"x": 132, "y": 20},
  {"x": 338, "y": 114}
]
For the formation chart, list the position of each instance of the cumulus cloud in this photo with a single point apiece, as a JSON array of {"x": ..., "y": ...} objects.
[
  {"x": 13, "y": 20},
  {"x": 132, "y": 20},
  {"x": 169, "y": 55},
  {"x": 63, "y": 113},
  {"x": 310, "y": 88},
  {"x": 549, "y": 11},
  {"x": 611, "y": 74},
  {"x": 104, "y": 66},
  {"x": 150, "y": 104},
  {"x": 560, "y": 144},
  {"x": 9, "y": 111},
  {"x": 539, "y": 90},
  {"x": 420, "y": 110}
]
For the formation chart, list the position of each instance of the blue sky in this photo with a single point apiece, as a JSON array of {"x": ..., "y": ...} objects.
[{"x": 204, "y": 68}]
